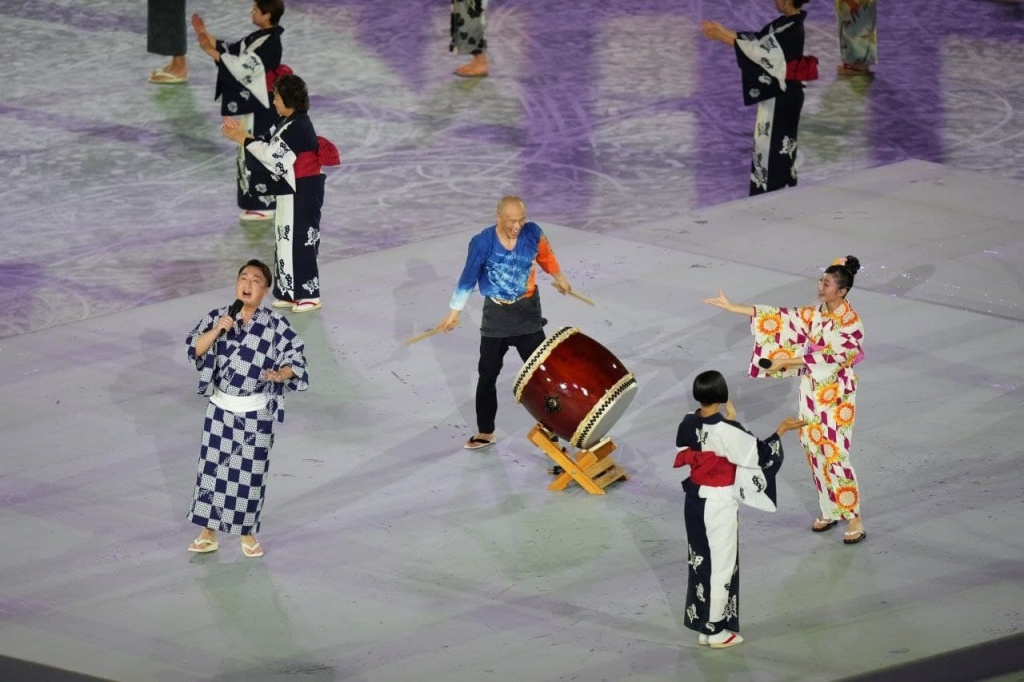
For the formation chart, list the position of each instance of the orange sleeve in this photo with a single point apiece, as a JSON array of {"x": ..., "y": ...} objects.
[{"x": 546, "y": 257}]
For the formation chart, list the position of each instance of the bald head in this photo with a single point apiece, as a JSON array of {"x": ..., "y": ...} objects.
[
  {"x": 511, "y": 216},
  {"x": 511, "y": 199}
]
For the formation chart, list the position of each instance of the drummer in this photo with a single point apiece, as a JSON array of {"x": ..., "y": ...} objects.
[{"x": 502, "y": 261}]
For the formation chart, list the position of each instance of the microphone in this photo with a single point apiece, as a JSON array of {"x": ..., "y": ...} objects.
[
  {"x": 765, "y": 363},
  {"x": 232, "y": 311}
]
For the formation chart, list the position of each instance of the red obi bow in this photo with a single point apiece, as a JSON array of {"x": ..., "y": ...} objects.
[
  {"x": 803, "y": 69},
  {"x": 309, "y": 163},
  {"x": 274, "y": 74}
]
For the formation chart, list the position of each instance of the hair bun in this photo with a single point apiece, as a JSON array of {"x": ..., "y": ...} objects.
[{"x": 852, "y": 264}]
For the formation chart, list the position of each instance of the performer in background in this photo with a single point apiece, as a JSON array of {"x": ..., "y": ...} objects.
[
  {"x": 468, "y": 22},
  {"x": 773, "y": 70},
  {"x": 287, "y": 163},
  {"x": 821, "y": 344},
  {"x": 502, "y": 261},
  {"x": 727, "y": 465},
  {"x": 858, "y": 41},
  {"x": 246, "y": 72},
  {"x": 249, "y": 362},
  {"x": 165, "y": 35}
]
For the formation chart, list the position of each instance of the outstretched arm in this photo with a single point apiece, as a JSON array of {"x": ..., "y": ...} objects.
[
  {"x": 789, "y": 424},
  {"x": 715, "y": 31},
  {"x": 724, "y": 303},
  {"x": 207, "y": 43}
]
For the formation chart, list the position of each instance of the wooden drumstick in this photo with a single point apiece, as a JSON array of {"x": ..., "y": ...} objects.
[
  {"x": 424, "y": 335},
  {"x": 580, "y": 296}
]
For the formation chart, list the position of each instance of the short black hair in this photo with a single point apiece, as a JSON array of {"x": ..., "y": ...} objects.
[
  {"x": 262, "y": 267},
  {"x": 845, "y": 273},
  {"x": 275, "y": 8},
  {"x": 292, "y": 91},
  {"x": 709, "y": 388}
]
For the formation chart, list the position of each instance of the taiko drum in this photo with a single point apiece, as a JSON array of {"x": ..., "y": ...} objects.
[{"x": 575, "y": 387}]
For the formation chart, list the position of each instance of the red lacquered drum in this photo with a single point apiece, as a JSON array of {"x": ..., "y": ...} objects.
[{"x": 574, "y": 387}]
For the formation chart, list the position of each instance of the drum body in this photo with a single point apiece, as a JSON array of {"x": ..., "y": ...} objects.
[{"x": 575, "y": 387}]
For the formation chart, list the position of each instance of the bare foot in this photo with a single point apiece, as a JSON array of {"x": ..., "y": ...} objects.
[
  {"x": 853, "y": 70},
  {"x": 480, "y": 440},
  {"x": 476, "y": 68},
  {"x": 175, "y": 72},
  {"x": 206, "y": 541},
  {"x": 251, "y": 547},
  {"x": 854, "y": 532}
]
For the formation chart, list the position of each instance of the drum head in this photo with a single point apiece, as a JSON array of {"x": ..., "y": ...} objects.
[{"x": 605, "y": 413}]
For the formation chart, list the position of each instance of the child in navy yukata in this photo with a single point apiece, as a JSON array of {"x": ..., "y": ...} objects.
[{"x": 728, "y": 465}]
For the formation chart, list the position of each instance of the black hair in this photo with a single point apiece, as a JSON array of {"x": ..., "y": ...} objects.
[
  {"x": 275, "y": 8},
  {"x": 845, "y": 273},
  {"x": 800, "y": 3},
  {"x": 709, "y": 388},
  {"x": 292, "y": 91},
  {"x": 262, "y": 267}
]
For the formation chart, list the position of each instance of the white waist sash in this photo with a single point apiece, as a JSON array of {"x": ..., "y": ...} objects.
[{"x": 238, "y": 403}]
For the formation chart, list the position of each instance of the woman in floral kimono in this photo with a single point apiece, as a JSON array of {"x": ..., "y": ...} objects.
[
  {"x": 858, "y": 43},
  {"x": 468, "y": 22},
  {"x": 774, "y": 69},
  {"x": 820, "y": 344}
]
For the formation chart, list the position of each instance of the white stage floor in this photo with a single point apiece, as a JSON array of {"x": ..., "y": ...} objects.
[{"x": 393, "y": 554}]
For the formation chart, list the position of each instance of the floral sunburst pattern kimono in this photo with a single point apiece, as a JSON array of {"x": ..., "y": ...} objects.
[{"x": 830, "y": 344}]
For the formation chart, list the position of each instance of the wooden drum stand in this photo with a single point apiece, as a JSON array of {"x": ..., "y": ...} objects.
[{"x": 593, "y": 469}]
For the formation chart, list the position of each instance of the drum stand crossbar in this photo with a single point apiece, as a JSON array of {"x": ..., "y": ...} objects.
[{"x": 593, "y": 469}]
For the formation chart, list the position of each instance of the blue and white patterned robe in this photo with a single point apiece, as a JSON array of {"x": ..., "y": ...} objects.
[{"x": 234, "y": 455}]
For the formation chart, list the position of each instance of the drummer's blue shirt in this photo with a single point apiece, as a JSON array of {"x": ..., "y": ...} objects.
[{"x": 502, "y": 274}]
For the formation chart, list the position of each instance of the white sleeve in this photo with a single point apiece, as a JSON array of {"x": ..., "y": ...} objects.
[
  {"x": 767, "y": 54},
  {"x": 276, "y": 156},
  {"x": 248, "y": 69},
  {"x": 733, "y": 443}
]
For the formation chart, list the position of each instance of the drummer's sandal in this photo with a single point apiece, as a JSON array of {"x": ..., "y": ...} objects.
[{"x": 475, "y": 443}]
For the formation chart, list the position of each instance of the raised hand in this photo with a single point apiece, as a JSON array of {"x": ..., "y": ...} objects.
[
  {"x": 789, "y": 424},
  {"x": 232, "y": 129},
  {"x": 207, "y": 42},
  {"x": 720, "y": 301}
]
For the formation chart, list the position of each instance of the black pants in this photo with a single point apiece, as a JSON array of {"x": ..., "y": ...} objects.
[{"x": 492, "y": 357}]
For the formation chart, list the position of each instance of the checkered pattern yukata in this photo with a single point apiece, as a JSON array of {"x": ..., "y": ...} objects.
[{"x": 231, "y": 476}]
